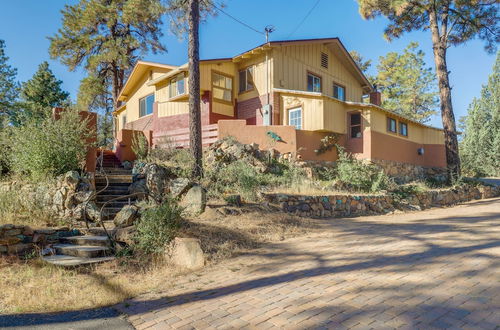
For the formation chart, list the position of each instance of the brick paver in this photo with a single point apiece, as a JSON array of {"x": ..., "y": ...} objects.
[{"x": 428, "y": 270}]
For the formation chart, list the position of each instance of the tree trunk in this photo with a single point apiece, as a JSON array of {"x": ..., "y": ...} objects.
[
  {"x": 194, "y": 88},
  {"x": 450, "y": 132}
]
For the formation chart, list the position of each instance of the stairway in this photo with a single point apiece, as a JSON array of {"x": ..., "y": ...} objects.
[
  {"x": 80, "y": 250},
  {"x": 94, "y": 245}
]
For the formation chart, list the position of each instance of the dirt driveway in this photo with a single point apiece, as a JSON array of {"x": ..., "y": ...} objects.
[{"x": 432, "y": 270}]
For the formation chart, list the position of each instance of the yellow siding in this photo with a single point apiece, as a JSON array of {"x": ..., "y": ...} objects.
[
  {"x": 335, "y": 116},
  {"x": 291, "y": 64},
  {"x": 139, "y": 92},
  {"x": 416, "y": 133},
  {"x": 259, "y": 76},
  {"x": 222, "y": 108},
  {"x": 169, "y": 108}
]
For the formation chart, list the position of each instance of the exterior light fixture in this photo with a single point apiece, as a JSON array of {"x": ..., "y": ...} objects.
[{"x": 420, "y": 151}]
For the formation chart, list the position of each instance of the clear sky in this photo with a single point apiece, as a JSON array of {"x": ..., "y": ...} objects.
[{"x": 26, "y": 24}]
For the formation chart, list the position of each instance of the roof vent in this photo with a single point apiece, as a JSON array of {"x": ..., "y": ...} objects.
[{"x": 324, "y": 60}]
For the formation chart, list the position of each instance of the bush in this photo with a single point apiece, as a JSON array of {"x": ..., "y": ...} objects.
[
  {"x": 140, "y": 146},
  {"x": 17, "y": 207},
  {"x": 157, "y": 227},
  {"x": 359, "y": 176},
  {"x": 49, "y": 148}
]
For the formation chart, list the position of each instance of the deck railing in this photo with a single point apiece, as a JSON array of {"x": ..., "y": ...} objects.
[{"x": 179, "y": 138}]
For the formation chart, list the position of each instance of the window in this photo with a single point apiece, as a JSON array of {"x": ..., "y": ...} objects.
[
  {"x": 324, "y": 60},
  {"x": 146, "y": 105},
  {"x": 355, "y": 125},
  {"x": 403, "y": 129},
  {"x": 177, "y": 86},
  {"x": 339, "y": 92},
  {"x": 295, "y": 118},
  {"x": 222, "y": 87},
  {"x": 391, "y": 125},
  {"x": 246, "y": 79},
  {"x": 313, "y": 83}
]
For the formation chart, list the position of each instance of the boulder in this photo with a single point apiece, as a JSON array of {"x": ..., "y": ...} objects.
[
  {"x": 179, "y": 186},
  {"x": 195, "y": 201},
  {"x": 157, "y": 178},
  {"x": 125, "y": 235},
  {"x": 71, "y": 179},
  {"x": 138, "y": 187},
  {"x": 127, "y": 165},
  {"x": 82, "y": 196},
  {"x": 126, "y": 216},
  {"x": 93, "y": 212},
  {"x": 187, "y": 253}
]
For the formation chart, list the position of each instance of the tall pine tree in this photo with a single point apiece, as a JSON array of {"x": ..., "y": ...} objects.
[
  {"x": 450, "y": 23},
  {"x": 9, "y": 88},
  {"x": 480, "y": 146},
  {"x": 107, "y": 36},
  {"x": 408, "y": 87},
  {"x": 39, "y": 95}
]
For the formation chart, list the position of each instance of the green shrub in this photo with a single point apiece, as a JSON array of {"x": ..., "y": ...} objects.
[
  {"x": 158, "y": 226},
  {"x": 359, "y": 176},
  {"x": 140, "y": 146},
  {"x": 404, "y": 191},
  {"x": 50, "y": 147}
]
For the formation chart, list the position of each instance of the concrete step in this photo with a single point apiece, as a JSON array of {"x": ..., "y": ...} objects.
[
  {"x": 87, "y": 240},
  {"x": 82, "y": 251},
  {"x": 102, "y": 197},
  {"x": 117, "y": 171},
  {"x": 114, "y": 179},
  {"x": 72, "y": 261}
]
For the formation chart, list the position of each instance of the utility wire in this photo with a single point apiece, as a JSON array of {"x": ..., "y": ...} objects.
[
  {"x": 304, "y": 19},
  {"x": 235, "y": 19}
]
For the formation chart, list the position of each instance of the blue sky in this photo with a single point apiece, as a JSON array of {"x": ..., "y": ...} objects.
[{"x": 26, "y": 24}]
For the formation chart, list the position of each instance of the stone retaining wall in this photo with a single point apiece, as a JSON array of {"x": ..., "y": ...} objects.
[
  {"x": 404, "y": 172},
  {"x": 20, "y": 240},
  {"x": 358, "y": 205}
]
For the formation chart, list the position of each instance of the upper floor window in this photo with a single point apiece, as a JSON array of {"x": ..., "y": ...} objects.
[
  {"x": 313, "y": 83},
  {"x": 391, "y": 125},
  {"x": 246, "y": 79},
  {"x": 146, "y": 105},
  {"x": 177, "y": 86},
  {"x": 355, "y": 125},
  {"x": 222, "y": 87},
  {"x": 339, "y": 92},
  {"x": 295, "y": 118},
  {"x": 403, "y": 129}
]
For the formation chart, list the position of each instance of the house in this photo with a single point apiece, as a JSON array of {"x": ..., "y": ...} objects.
[{"x": 300, "y": 90}]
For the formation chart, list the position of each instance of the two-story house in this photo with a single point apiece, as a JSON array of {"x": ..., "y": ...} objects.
[{"x": 304, "y": 89}]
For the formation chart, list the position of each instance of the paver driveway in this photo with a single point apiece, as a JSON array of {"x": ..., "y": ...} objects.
[{"x": 433, "y": 269}]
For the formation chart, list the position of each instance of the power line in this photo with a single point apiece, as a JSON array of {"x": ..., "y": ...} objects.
[
  {"x": 236, "y": 20},
  {"x": 305, "y": 17}
]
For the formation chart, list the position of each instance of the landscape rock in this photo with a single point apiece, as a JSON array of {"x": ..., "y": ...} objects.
[
  {"x": 125, "y": 235},
  {"x": 194, "y": 201},
  {"x": 126, "y": 216},
  {"x": 138, "y": 188},
  {"x": 157, "y": 179},
  {"x": 187, "y": 253},
  {"x": 179, "y": 186}
]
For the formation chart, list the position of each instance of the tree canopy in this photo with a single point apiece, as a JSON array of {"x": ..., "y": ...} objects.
[
  {"x": 480, "y": 146},
  {"x": 39, "y": 95},
  {"x": 9, "y": 87},
  {"x": 107, "y": 36},
  {"x": 408, "y": 87}
]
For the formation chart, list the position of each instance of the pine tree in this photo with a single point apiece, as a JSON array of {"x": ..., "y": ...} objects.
[
  {"x": 450, "y": 22},
  {"x": 363, "y": 64},
  {"x": 408, "y": 87},
  {"x": 107, "y": 36},
  {"x": 39, "y": 95},
  {"x": 9, "y": 88},
  {"x": 480, "y": 146}
]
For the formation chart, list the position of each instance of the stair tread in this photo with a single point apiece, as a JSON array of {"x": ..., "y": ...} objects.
[
  {"x": 66, "y": 260},
  {"x": 88, "y": 238},
  {"x": 80, "y": 247}
]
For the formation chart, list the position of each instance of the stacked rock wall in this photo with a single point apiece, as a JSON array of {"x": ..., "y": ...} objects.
[
  {"x": 404, "y": 172},
  {"x": 358, "y": 205}
]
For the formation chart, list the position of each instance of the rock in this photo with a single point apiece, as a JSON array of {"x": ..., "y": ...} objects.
[
  {"x": 93, "y": 212},
  {"x": 13, "y": 232},
  {"x": 157, "y": 178},
  {"x": 179, "y": 186},
  {"x": 58, "y": 199},
  {"x": 20, "y": 249},
  {"x": 194, "y": 201},
  {"x": 3, "y": 249},
  {"x": 10, "y": 240},
  {"x": 127, "y": 165},
  {"x": 82, "y": 196},
  {"x": 139, "y": 188},
  {"x": 71, "y": 179},
  {"x": 125, "y": 235},
  {"x": 126, "y": 216},
  {"x": 187, "y": 253}
]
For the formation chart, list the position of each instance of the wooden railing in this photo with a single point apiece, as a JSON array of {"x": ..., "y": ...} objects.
[{"x": 179, "y": 138}]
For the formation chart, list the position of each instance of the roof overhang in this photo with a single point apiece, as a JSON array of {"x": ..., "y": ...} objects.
[{"x": 140, "y": 68}]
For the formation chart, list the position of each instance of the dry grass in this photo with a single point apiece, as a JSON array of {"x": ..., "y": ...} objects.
[{"x": 33, "y": 286}]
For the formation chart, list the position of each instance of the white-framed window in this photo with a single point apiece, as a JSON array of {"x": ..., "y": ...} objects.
[
  {"x": 313, "y": 83},
  {"x": 339, "y": 92},
  {"x": 295, "y": 117},
  {"x": 222, "y": 87},
  {"x": 246, "y": 79},
  {"x": 146, "y": 105},
  {"x": 177, "y": 86}
]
